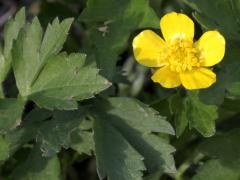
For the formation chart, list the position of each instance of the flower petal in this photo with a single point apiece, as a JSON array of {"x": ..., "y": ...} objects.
[
  {"x": 177, "y": 25},
  {"x": 147, "y": 47},
  {"x": 212, "y": 48},
  {"x": 197, "y": 78},
  {"x": 166, "y": 77}
]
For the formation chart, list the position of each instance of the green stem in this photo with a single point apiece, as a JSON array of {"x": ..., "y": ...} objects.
[
  {"x": 184, "y": 166},
  {"x": 182, "y": 169}
]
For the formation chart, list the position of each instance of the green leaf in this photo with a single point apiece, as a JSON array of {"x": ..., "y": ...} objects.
[
  {"x": 11, "y": 30},
  {"x": 140, "y": 116},
  {"x": 49, "y": 79},
  {"x": 135, "y": 122},
  {"x": 11, "y": 111},
  {"x": 54, "y": 38},
  {"x": 202, "y": 117},
  {"x": 120, "y": 161},
  {"x": 179, "y": 107},
  {"x": 82, "y": 139},
  {"x": 37, "y": 167},
  {"x": 190, "y": 110},
  {"x": 57, "y": 132},
  {"x": 31, "y": 53},
  {"x": 82, "y": 142},
  {"x": 66, "y": 78},
  {"x": 26, "y": 62},
  {"x": 224, "y": 150},
  {"x": 110, "y": 25},
  {"x": 53, "y": 103}
]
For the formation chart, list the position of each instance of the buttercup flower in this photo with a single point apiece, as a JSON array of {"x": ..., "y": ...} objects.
[{"x": 178, "y": 60}]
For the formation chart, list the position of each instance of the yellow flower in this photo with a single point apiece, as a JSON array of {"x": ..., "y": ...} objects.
[{"x": 178, "y": 60}]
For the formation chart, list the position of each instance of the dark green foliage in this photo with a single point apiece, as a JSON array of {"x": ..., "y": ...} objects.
[{"x": 74, "y": 104}]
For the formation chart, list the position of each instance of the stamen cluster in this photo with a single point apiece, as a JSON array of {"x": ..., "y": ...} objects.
[{"x": 182, "y": 55}]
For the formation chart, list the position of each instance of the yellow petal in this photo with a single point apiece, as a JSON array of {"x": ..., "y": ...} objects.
[
  {"x": 166, "y": 77},
  {"x": 177, "y": 25},
  {"x": 147, "y": 47},
  {"x": 212, "y": 48},
  {"x": 198, "y": 78}
]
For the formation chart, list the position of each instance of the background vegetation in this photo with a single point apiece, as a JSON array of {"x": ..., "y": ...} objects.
[{"x": 75, "y": 105}]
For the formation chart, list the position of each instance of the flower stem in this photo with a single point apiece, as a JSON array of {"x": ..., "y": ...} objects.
[{"x": 185, "y": 166}]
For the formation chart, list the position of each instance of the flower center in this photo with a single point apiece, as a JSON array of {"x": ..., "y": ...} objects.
[{"x": 182, "y": 55}]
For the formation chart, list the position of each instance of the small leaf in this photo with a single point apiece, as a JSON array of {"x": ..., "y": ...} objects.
[
  {"x": 82, "y": 139},
  {"x": 191, "y": 111},
  {"x": 202, "y": 117},
  {"x": 82, "y": 142}
]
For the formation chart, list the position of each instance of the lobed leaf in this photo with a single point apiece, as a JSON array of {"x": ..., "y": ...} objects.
[
  {"x": 116, "y": 158},
  {"x": 202, "y": 117},
  {"x": 190, "y": 110},
  {"x": 132, "y": 124},
  {"x": 50, "y": 79}
]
